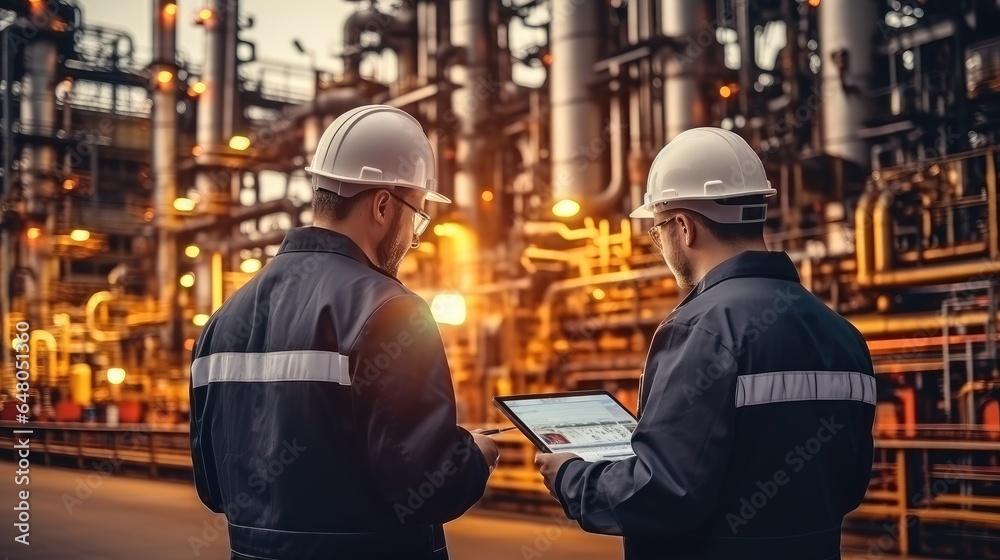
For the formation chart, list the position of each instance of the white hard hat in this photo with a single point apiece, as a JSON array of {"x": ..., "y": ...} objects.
[
  {"x": 700, "y": 167},
  {"x": 377, "y": 146}
]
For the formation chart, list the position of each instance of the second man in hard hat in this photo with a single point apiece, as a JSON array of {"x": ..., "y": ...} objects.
[
  {"x": 757, "y": 400},
  {"x": 323, "y": 418}
]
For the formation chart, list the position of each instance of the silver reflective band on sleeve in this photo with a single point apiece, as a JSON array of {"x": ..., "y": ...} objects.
[
  {"x": 309, "y": 365},
  {"x": 782, "y": 386}
]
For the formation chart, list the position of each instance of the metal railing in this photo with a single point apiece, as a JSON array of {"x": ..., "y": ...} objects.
[{"x": 941, "y": 474}]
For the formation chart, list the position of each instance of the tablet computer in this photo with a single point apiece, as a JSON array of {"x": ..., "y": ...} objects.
[{"x": 592, "y": 424}]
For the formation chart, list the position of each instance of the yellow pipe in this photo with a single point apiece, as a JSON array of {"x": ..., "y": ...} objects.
[
  {"x": 863, "y": 237},
  {"x": 51, "y": 348},
  {"x": 876, "y": 325},
  {"x": 216, "y": 280},
  {"x": 959, "y": 272},
  {"x": 93, "y": 304},
  {"x": 882, "y": 232},
  {"x": 561, "y": 256}
]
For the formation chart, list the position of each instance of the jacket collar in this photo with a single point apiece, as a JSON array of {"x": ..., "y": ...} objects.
[
  {"x": 321, "y": 240},
  {"x": 761, "y": 264}
]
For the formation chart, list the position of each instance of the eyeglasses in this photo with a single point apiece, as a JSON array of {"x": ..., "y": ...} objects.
[
  {"x": 654, "y": 233},
  {"x": 421, "y": 219}
]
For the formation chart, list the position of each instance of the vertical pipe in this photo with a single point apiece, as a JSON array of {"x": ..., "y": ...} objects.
[
  {"x": 165, "y": 171},
  {"x": 5, "y": 331},
  {"x": 213, "y": 186},
  {"x": 684, "y": 107},
  {"x": 863, "y": 232},
  {"x": 946, "y": 359},
  {"x": 993, "y": 205},
  {"x": 882, "y": 232},
  {"x": 970, "y": 384},
  {"x": 575, "y": 112},
  {"x": 846, "y": 29},
  {"x": 38, "y": 117},
  {"x": 471, "y": 102}
]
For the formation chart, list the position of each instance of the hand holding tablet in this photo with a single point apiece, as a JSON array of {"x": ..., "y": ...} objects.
[{"x": 591, "y": 424}]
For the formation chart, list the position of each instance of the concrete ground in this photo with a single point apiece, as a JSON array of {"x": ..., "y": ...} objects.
[{"x": 84, "y": 515}]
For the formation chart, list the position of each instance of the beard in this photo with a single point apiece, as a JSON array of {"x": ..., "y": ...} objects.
[
  {"x": 393, "y": 247},
  {"x": 677, "y": 261}
]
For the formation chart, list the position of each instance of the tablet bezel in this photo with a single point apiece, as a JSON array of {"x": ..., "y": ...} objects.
[{"x": 501, "y": 403}]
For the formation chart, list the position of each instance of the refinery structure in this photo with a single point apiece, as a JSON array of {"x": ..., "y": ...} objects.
[{"x": 134, "y": 203}]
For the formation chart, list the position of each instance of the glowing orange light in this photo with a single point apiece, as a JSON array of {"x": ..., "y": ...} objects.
[
  {"x": 189, "y": 344},
  {"x": 205, "y": 14},
  {"x": 164, "y": 76},
  {"x": 814, "y": 3},
  {"x": 170, "y": 9},
  {"x": 197, "y": 151},
  {"x": 487, "y": 196},
  {"x": 199, "y": 87},
  {"x": 725, "y": 91},
  {"x": 547, "y": 59},
  {"x": 34, "y": 233}
]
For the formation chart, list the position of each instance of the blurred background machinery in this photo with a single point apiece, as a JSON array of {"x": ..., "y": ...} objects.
[{"x": 136, "y": 198}]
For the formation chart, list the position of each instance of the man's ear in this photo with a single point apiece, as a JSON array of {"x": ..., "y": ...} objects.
[
  {"x": 380, "y": 207},
  {"x": 687, "y": 228}
]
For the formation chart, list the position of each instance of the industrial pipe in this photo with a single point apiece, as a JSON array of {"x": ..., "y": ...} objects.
[
  {"x": 846, "y": 28},
  {"x": 882, "y": 232},
  {"x": 164, "y": 167},
  {"x": 684, "y": 107},
  {"x": 575, "y": 112},
  {"x": 863, "y": 242},
  {"x": 882, "y": 325}
]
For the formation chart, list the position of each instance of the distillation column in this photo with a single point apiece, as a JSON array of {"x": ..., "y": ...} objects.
[
  {"x": 846, "y": 39},
  {"x": 165, "y": 168},
  {"x": 576, "y": 113},
  {"x": 38, "y": 167},
  {"x": 684, "y": 107}
]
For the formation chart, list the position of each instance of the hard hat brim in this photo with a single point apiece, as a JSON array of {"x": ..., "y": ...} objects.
[
  {"x": 432, "y": 196},
  {"x": 646, "y": 210}
]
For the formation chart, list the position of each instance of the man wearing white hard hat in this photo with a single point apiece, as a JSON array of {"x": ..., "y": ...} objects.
[
  {"x": 323, "y": 418},
  {"x": 756, "y": 402}
]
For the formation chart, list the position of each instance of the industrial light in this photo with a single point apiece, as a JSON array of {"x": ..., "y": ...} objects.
[
  {"x": 79, "y": 235},
  {"x": 34, "y": 233},
  {"x": 170, "y": 9},
  {"x": 199, "y": 87},
  {"x": 192, "y": 251},
  {"x": 183, "y": 204},
  {"x": 488, "y": 196},
  {"x": 239, "y": 143},
  {"x": 164, "y": 76},
  {"x": 116, "y": 375},
  {"x": 448, "y": 309},
  {"x": 69, "y": 184},
  {"x": 250, "y": 266},
  {"x": 814, "y": 3},
  {"x": 566, "y": 208},
  {"x": 199, "y": 320},
  {"x": 187, "y": 280},
  {"x": 205, "y": 14},
  {"x": 598, "y": 294},
  {"x": 725, "y": 92}
]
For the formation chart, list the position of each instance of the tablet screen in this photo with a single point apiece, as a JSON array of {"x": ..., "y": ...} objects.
[{"x": 594, "y": 426}]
